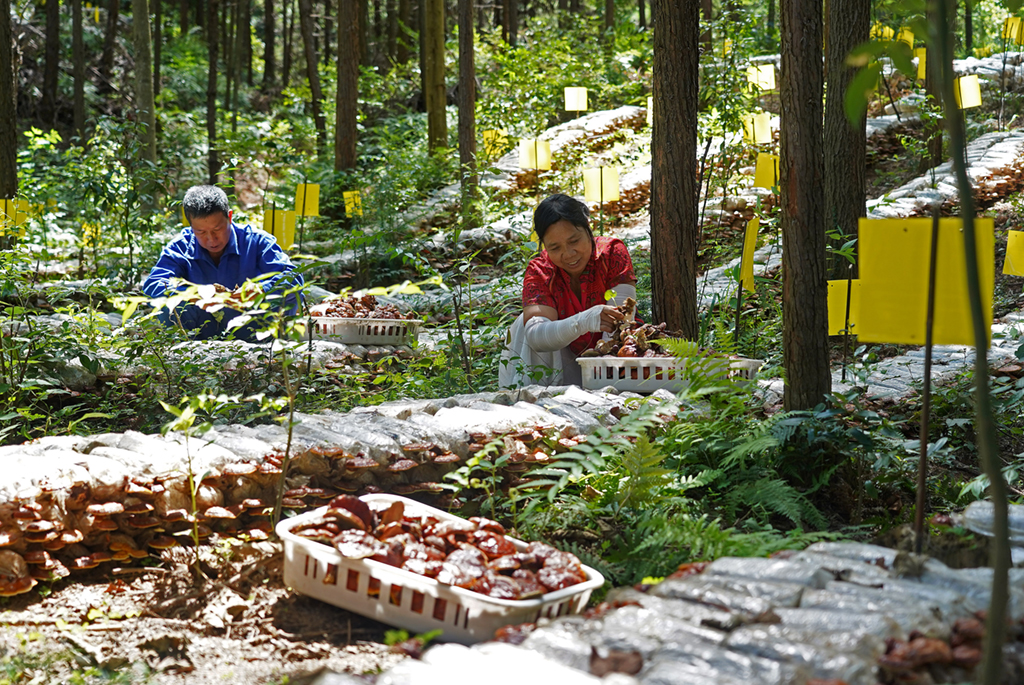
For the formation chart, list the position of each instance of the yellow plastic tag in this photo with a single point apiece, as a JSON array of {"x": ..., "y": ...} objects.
[
  {"x": 761, "y": 76},
  {"x": 575, "y": 99},
  {"x": 650, "y": 111},
  {"x": 894, "y": 256},
  {"x": 307, "y": 199},
  {"x": 837, "y": 306},
  {"x": 968, "y": 92},
  {"x": 601, "y": 184},
  {"x": 757, "y": 128},
  {"x": 747, "y": 259},
  {"x": 280, "y": 223},
  {"x": 353, "y": 203},
  {"x": 534, "y": 154},
  {"x": 495, "y": 141},
  {"x": 766, "y": 173},
  {"x": 922, "y": 62},
  {"x": 906, "y": 35},
  {"x": 879, "y": 32},
  {"x": 1013, "y": 265}
]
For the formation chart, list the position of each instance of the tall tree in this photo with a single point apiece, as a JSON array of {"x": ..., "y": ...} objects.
[
  {"x": 345, "y": 111},
  {"x": 109, "y": 43},
  {"x": 313, "y": 72},
  {"x": 213, "y": 157},
  {"x": 467, "y": 113},
  {"x": 145, "y": 103},
  {"x": 184, "y": 17},
  {"x": 673, "y": 164},
  {"x": 510, "y": 21},
  {"x": 404, "y": 23},
  {"x": 392, "y": 29},
  {"x": 158, "y": 40},
  {"x": 51, "y": 64},
  {"x": 435, "y": 96},
  {"x": 969, "y": 28},
  {"x": 609, "y": 16},
  {"x": 288, "y": 25},
  {"x": 642, "y": 12},
  {"x": 78, "y": 71},
  {"x": 269, "y": 48},
  {"x": 328, "y": 31},
  {"x": 846, "y": 164},
  {"x": 804, "y": 287},
  {"x": 706, "y": 12},
  {"x": 8, "y": 108}
]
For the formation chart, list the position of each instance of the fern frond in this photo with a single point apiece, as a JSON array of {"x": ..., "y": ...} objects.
[
  {"x": 754, "y": 445},
  {"x": 778, "y": 496},
  {"x": 643, "y": 473}
]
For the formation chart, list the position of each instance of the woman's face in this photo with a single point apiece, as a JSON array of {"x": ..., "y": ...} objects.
[{"x": 569, "y": 247}]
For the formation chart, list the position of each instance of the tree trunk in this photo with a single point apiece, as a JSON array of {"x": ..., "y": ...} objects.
[
  {"x": 247, "y": 43},
  {"x": 8, "y": 107},
  {"x": 313, "y": 73},
  {"x": 51, "y": 65},
  {"x": 771, "y": 18},
  {"x": 404, "y": 17},
  {"x": 392, "y": 24},
  {"x": 804, "y": 288},
  {"x": 213, "y": 159},
  {"x": 364, "y": 33},
  {"x": 145, "y": 104},
  {"x": 269, "y": 48},
  {"x": 932, "y": 90},
  {"x": 673, "y": 165},
  {"x": 158, "y": 40},
  {"x": 243, "y": 38},
  {"x": 78, "y": 71},
  {"x": 642, "y": 18},
  {"x": 109, "y": 43},
  {"x": 846, "y": 164},
  {"x": 289, "y": 38},
  {"x": 467, "y": 114},
  {"x": 968, "y": 29},
  {"x": 184, "y": 24},
  {"x": 435, "y": 96},
  {"x": 328, "y": 32},
  {"x": 609, "y": 16},
  {"x": 707, "y": 11},
  {"x": 228, "y": 36},
  {"x": 510, "y": 21},
  {"x": 345, "y": 129}
]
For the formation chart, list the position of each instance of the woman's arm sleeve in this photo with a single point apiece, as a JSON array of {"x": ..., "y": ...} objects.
[{"x": 545, "y": 335}]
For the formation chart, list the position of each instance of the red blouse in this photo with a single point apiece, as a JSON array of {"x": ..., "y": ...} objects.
[{"x": 548, "y": 285}]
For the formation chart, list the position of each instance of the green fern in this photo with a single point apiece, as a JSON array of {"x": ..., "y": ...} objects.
[
  {"x": 643, "y": 473},
  {"x": 778, "y": 496}
]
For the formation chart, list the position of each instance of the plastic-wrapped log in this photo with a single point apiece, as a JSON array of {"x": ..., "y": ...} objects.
[
  {"x": 827, "y": 621},
  {"x": 871, "y": 554},
  {"x": 907, "y": 612},
  {"x": 779, "y": 570},
  {"x": 698, "y": 662},
  {"x": 696, "y": 589},
  {"x": 822, "y": 663}
]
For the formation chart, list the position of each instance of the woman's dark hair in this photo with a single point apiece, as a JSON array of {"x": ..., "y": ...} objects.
[{"x": 555, "y": 208}]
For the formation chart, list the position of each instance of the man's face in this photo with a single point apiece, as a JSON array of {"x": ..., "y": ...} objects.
[{"x": 212, "y": 232}]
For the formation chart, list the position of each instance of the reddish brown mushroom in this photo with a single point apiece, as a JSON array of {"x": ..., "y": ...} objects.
[
  {"x": 402, "y": 465},
  {"x": 105, "y": 509}
]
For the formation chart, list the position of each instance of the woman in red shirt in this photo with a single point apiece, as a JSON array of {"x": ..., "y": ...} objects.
[{"x": 564, "y": 308}]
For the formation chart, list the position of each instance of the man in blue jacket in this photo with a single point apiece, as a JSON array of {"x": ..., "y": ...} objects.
[{"x": 216, "y": 251}]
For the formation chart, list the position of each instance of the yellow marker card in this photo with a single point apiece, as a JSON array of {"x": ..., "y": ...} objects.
[
  {"x": 1013, "y": 265},
  {"x": 184, "y": 219},
  {"x": 495, "y": 141},
  {"x": 906, "y": 35},
  {"x": 766, "y": 173},
  {"x": 307, "y": 199},
  {"x": 575, "y": 99},
  {"x": 747, "y": 259},
  {"x": 353, "y": 203},
  {"x": 894, "y": 257},
  {"x": 879, "y": 32},
  {"x": 1012, "y": 29},
  {"x": 650, "y": 111},
  {"x": 968, "y": 92},
  {"x": 726, "y": 47},
  {"x": 280, "y": 223},
  {"x": 601, "y": 184},
  {"x": 762, "y": 76},
  {"x": 837, "y": 306},
  {"x": 534, "y": 154},
  {"x": 757, "y": 128},
  {"x": 922, "y": 62},
  {"x": 13, "y": 214}
]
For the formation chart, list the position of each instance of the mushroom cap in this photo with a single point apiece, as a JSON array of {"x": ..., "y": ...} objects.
[
  {"x": 54, "y": 545},
  {"x": 240, "y": 469},
  {"x": 418, "y": 447},
  {"x": 121, "y": 542},
  {"x": 163, "y": 542},
  {"x": 446, "y": 458},
  {"x": 105, "y": 509},
  {"x": 71, "y": 536},
  {"x": 138, "y": 508},
  {"x": 252, "y": 503},
  {"x": 268, "y": 469},
  {"x": 24, "y": 513},
  {"x": 83, "y": 563},
  {"x": 40, "y": 526},
  {"x": 12, "y": 564},
  {"x": 16, "y": 586},
  {"x": 9, "y": 535},
  {"x": 101, "y": 556},
  {"x": 218, "y": 513},
  {"x": 360, "y": 463},
  {"x": 36, "y": 557},
  {"x": 137, "y": 490},
  {"x": 175, "y": 515},
  {"x": 138, "y": 553},
  {"x": 143, "y": 521},
  {"x": 105, "y": 524},
  {"x": 122, "y": 555},
  {"x": 419, "y": 487},
  {"x": 402, "y": 465}
]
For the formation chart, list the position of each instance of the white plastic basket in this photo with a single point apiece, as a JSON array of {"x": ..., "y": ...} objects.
[
  {"x": 408, "y": 600},
  {"x": 647, "y": 374},
  {"x": 366, "y": 331}
]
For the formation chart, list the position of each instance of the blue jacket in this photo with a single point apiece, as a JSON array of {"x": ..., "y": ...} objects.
[{"x": 249, "y": 253}]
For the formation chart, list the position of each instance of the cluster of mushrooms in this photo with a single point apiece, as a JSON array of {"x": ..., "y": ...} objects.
[
  {"x": 631, "y": 338},
  {"x": 364, "y": 307},
  {"x": 470, "y": 553}
]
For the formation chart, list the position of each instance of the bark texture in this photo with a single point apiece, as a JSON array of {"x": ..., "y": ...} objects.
[
  {"x": 78, "y": 70},
  {"x": 673, "y": 164},
  {"x": 109, "y": 41},
  {"x": 846, "y": 163},
  {"x": 269, "y": 47},
  {"x": 804, "y": 288},
  {"x": 213, "y": 158},
  {"x": 467, "y": 112},
  {"x": 145, "y": 103},
  {"x": 345, "y": 130},
  {"x": 8, "y": 111},
  {"x": 434, "y": 94},
  {"x": 51, "y": 64}
]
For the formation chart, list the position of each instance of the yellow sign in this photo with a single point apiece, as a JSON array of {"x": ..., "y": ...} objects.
[
  {"x": 906, "y": 35},
  {"x": 922, "y": 63},
  {"x": 353, "y": 203},
  {"x": 575, "y": 99},
  {"x": 280, "y": 223},
  {"x": 757, "y": 128},
  {"x": 726, "y": 47},
  {"x": 837, "y": 306},
  {"x": 307, "y": 199},
  {"x": 894, "y": 258},
  {"x": 184, "y": 219},
  {"x": 1013, "y": 265},
  {"x": 879, "y": 32},
  {"x": 601, "y": 184},
  {"x": 761, "y": 76},
  {"x": 968, "y": 92},
  {"x": 13, "y": 213},
  {"x": 766, "y": 173},
  {"x": 495, "y": 141},
  {"x": 650, "y": 111},
  {"x": 1012, "y": 30},
  {"x": 747, "y": 259},
  {"x": 534, "y": 154}
]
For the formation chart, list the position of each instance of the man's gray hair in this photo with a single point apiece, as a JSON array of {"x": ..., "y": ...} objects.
[{"x": 202, "y": 201}]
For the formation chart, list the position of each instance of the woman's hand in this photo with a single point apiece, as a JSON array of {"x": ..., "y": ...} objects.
[{"x": 609, "y": 317}]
